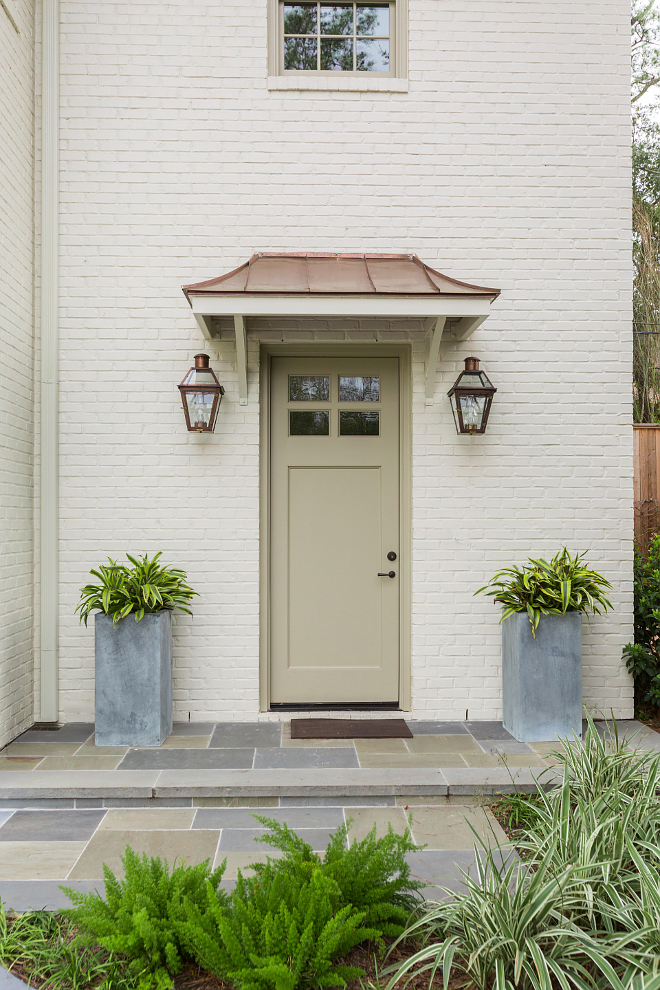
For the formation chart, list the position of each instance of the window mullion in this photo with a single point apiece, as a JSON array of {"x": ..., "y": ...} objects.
[{"x": 318, "y": 36}]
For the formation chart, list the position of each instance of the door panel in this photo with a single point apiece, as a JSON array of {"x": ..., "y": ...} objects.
[{"x": 334, "y": 518}]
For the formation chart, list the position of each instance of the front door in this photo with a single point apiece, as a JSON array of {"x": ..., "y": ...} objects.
[{"x": 334, "y": 520}]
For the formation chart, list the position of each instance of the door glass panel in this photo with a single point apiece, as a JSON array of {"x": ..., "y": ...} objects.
[
  {"x": 359, "y": 424},
  {"x": 359, "y": 389},
  {"x": 309, "y": 388},
  {"x": 309, "y": 424}
]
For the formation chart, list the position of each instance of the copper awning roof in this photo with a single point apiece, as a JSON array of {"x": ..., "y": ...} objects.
[{"x": 309, "y": 273}]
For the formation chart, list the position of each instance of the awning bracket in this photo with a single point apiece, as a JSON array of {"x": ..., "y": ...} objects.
[
  {"x": 241, "y": 359},
  {"x": 432, "y": 360}
]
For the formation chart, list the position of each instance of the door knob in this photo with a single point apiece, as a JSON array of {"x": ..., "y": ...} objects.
[{"x": 386, "y": 574}]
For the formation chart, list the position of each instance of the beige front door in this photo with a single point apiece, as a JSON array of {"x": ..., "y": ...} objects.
[{"x": 334, "y": 519}]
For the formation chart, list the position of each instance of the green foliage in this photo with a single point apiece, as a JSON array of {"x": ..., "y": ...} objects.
[
  {"x": 583, "y": 909},
  {"x": 372, "y": 874},
  {"x": 519, "y": 809},
  {"x": 542, "y": 587},
  {"x": 277, "y": 932},
  {"x": 140, "y": 915},
  {"x": 284, "y": 927},
  {"x": 643, "y": 657},
  {"x": 145, "y": 587},
  {"x": 42, "y": 944}
]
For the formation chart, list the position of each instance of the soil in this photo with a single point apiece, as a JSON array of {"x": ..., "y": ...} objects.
[
  {"x": 649, "y": 715},
  {"x": 364, "y": 956}
]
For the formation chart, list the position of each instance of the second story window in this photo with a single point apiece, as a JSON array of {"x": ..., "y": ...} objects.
[{"x": 342, "y": 37}]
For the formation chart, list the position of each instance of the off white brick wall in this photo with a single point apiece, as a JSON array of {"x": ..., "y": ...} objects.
[
  {"x": 16, "y": 365},
  {"x": 506, "y": 163}
]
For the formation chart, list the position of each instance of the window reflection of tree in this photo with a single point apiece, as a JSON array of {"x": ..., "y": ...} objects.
[{"x": 336, "y": 52}]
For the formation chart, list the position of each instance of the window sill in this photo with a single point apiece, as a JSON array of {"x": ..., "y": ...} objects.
[{"x": 345, "y": 84}]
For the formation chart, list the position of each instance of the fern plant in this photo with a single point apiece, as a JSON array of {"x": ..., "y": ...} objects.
[
  {"x": 277, "y": 933},
  {"x": 372, "y": 875},
  {"x": 549, "y": 587},
  {"x": 145, "y": 587},
  {"x": 284, "y": 927},
  {"x": 140, "y": 915}
]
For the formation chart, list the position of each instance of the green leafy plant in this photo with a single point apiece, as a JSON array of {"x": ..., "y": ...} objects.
[
  {"x": 145, "y": 587},
  {"x": 372, "y": 874},
  {"x": 520, "y": 810},
  {"x": 140, "y": 915},
  {"x": 277, "y": 933},
  {"x": 510, "y": 929},
  {"x": 42, "y": 945},
  {"x": 542, "y": 587},
  {"x": 643, "y": 656},
  {"x": 582, "y": 910},
  {"x": 284, "y": 927}
]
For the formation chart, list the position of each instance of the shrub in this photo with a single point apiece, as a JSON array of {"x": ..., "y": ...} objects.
[
  {"x": 277, "y": 933},
  {"x": 643, "y": 656},
  {"x": 372, "y": 874},
  {"x": 583, "y": 910},
  {"x": 542, "y": 587},
  {"x": 143, "y": 588},
  {"x": 140, "y": 915},
  {"x": 284, "y": 927}
]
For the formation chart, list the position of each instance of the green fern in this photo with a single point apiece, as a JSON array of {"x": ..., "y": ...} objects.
[
  {"x": 277, "y": 933},
  {"x": 140, "y": 914},
  {"x": 372, "y": 875}
]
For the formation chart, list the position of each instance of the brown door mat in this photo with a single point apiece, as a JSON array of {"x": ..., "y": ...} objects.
[{"x": 349, "y": 728}]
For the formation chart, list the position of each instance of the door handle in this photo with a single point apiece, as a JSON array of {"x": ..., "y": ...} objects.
[{"x": 386, "y": 574}]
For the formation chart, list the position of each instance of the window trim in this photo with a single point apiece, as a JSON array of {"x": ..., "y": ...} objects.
[{"x": 398, "y": 44}]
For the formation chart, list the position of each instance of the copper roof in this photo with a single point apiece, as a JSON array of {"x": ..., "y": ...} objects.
[{"x": 273, "y": 273}]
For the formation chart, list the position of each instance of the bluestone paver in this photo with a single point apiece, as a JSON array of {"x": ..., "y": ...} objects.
[
  {"x": 293, "y": 759},
  {"x": 296, "y": 818},
  {"x": 108, "y": 846},
  {"x": 49, "y": 826},
  {"x": 187, "y": 759},
  {"x": 245, "y": 734}
]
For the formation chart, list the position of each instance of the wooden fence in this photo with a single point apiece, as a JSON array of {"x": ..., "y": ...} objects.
[{"x": 646, "y": 447}]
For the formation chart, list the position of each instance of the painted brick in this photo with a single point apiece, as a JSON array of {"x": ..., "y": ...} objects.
[
  {"x": 506, "y": 163},
  {"x": 16, "y": 366}
]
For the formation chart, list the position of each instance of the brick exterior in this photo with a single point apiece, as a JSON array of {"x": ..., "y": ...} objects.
[
  {"x": 506, "y": 163},
  {"x": 16, "y": 366}
]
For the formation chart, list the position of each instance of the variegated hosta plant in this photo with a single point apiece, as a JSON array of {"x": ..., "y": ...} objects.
[
  {"x": 145, "y": 587},
  {"x": 549, "y": 587}
]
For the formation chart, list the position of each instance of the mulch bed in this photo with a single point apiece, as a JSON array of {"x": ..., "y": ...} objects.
[
  {"x": 649, "y": 715},
  {"x": 365, "y": 956}
]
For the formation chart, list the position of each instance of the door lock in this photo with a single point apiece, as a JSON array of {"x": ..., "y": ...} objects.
[
  {"x": 391, "y": 555},
  {"x": 387, "y": 574}
]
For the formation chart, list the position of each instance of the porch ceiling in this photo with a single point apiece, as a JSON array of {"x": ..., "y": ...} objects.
[{"x": 336, "y": 285}]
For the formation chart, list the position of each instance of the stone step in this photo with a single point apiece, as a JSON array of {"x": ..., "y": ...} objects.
[{"x": 175, "y": 786}]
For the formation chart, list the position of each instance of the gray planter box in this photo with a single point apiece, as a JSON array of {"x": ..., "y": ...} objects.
[
  {"x": 542, "y": 677},
  {"x": 133, "y": 680}
]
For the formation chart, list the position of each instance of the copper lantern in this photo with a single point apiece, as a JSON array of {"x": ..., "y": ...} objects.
[
  {"x": 471, "y": 397},
  {"x": 201, "y": 395}
]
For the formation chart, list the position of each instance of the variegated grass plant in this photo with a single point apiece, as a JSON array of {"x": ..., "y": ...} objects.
[
  {"x": 549, "y": 587},
  {"x": 581, "y": 911},
  {"x": 145, "y": 587}
]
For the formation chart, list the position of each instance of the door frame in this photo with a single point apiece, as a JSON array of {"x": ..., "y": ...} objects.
[{"x": 340, "y": 349}]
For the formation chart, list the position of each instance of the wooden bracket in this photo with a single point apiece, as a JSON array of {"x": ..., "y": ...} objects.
[
  {"x": 432, "y": 360},
  {"x": 204, "y": 324},
  {"x": 241, "y": 359}
]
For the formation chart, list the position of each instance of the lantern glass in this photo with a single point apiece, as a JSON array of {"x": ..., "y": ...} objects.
[{"x": 200, "y": 409}]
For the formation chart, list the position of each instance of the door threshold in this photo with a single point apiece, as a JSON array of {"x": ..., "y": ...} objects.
[{"x": 336, "y": 706}]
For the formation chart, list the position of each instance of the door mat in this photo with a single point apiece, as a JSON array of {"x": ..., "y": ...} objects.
[{"x": 349, "y": 728}]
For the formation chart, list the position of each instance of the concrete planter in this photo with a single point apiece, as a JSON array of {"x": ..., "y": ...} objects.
[
  {"x": 133, "y": 680},
  {"x": 542, "y": 677}
]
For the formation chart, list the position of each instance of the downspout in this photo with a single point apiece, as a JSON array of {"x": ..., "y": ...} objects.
[{"x": 49, "y": 357}]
